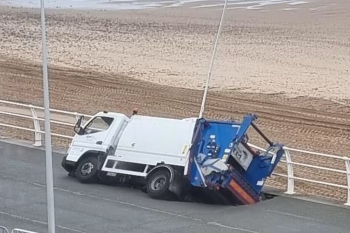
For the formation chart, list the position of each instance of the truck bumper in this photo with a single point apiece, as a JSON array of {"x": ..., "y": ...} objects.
[{"x": 69, "y": 166}]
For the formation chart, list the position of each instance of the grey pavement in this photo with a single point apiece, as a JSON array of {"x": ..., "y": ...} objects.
[{"x": 99, "y": 208}]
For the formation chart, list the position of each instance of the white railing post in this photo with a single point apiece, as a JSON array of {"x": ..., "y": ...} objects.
[
  {"x": 36, "y": 122},
  {"x": 3, "y": 230},
  {"x": 290, "y": 174},
  {"x": 76, "y": 115},
  {"x": 347, "y": 165}
]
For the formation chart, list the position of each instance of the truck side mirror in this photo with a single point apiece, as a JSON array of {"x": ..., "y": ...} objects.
[{"x": 77, "y": 128}]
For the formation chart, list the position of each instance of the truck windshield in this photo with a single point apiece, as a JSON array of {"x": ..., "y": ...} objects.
[{"x": 98, "y": 124}]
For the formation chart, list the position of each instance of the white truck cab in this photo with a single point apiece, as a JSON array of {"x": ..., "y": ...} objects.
[{"x": 97, "y": 135}]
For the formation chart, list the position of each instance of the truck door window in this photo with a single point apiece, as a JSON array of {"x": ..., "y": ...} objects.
[{"x": 98, "y": 124}]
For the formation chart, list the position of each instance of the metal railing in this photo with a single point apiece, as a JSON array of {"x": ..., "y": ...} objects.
[
  {"x": 290, "y": 170},
  {"x": 16, "y": 230},
  {"x": 3, "y": 230},
  {"x": 36, "y": 120},
  {"x": 290, "y": 164}
]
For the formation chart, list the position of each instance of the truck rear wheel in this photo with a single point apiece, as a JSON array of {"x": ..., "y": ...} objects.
[
  {"x": 158, "y": 185},
  {"x": 86, "y": 171}
]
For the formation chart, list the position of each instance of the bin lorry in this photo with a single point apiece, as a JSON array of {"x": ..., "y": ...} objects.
[{"x": 169, "y": 158}]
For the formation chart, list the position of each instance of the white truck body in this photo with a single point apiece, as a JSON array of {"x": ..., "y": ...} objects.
[{"x": 141, "y": 140}]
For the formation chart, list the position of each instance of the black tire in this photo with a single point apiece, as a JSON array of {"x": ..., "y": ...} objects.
[
  {"x": 158, "y": 185},
  {"x": 86, "y": 171}
]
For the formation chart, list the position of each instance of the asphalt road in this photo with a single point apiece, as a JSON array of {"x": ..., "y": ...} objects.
[{"x": 98, "y": 208}]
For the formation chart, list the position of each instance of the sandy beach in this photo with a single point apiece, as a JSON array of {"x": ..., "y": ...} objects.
[
  {"x": 303, "y": 51},
  {"x": 287, "y": 62}
]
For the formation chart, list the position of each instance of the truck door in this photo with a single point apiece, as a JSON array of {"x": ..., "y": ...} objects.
[{"x": 95, "y": 134}]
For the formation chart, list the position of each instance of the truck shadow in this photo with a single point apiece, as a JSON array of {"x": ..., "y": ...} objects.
[{"x": 201, "y": 196}]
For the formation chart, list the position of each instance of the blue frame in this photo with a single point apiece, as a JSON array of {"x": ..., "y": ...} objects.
[{"x": 228, "y": 134}]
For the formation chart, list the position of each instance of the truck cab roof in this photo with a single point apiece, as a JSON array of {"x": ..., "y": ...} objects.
[
  {"x": 116, "y": 115},
  {"x": 111, "y": 114}
]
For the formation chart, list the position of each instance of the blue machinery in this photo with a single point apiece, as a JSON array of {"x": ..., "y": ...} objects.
[{"x": 221, "y": 160}]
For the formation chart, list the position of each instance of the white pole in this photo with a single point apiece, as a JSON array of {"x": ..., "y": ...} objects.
[
  {"x": 212, "y": 61},
  {"x": 48, "y": 149}
]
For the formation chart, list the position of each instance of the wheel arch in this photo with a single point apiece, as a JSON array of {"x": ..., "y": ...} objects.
[
  {"x": 89, "y": 153},
  {"x": 176, "y": 181},
  {"x": 161, "y": 167}
]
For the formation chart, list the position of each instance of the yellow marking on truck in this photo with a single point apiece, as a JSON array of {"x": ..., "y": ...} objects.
[
  {"x": 224, "y": 157},
  {"x": 184, "y": 150}
]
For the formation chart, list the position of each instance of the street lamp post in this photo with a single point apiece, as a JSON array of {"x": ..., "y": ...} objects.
[
  {"x": 212, "y": 61},
  {"x": 48, "y": 148}
]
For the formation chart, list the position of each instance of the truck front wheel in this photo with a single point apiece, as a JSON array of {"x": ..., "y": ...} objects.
[
  {"x": 86, "y": 171},
  {"x": 158, "y": 185}
]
